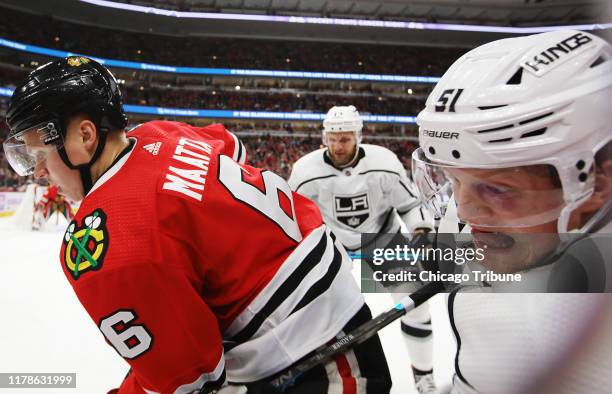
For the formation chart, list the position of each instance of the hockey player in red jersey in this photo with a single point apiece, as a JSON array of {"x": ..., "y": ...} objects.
[
  {"x": 52, "y": 201},
  {"x": 199, "y": 270}
]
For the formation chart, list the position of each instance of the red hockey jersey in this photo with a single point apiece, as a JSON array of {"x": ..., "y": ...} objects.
[
  {"x": 51, "y": 193},
  {"x": 198, "y": 268}
]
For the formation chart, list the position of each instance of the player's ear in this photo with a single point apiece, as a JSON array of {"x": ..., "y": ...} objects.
[{"x": 88, "y": 134}]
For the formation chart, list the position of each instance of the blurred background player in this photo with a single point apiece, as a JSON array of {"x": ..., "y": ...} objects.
[
  {"x": 162, "y": 252},
  {"x": 51, "y": 202},
  {"x": 363, "y": 188},
  {"x": 516, "y": 138}
]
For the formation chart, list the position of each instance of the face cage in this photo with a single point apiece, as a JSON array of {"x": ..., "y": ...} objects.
[
  {"x": 23, "y": 157},
  {"x": 525, "y": 207}
]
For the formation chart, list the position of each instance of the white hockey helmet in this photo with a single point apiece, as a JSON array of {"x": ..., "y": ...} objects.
[
  {"x": 341, "y": 119},
  {"x": 540, "y": 99}
]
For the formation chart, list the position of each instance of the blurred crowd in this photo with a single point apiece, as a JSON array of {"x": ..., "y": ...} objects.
[
  {"x": 253, "y": 99},
  {"x": 225, "y": 52},
  {"x": 279, "y": 153},
  {"x": 280, "y": 102},
  {"x": 268, "y": 143},
  {"x": 268, "y": 151},
  {"x": 9, "y": 180}
]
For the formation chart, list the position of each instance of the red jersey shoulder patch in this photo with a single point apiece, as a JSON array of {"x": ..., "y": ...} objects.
[{"x": 85, "y": 244}]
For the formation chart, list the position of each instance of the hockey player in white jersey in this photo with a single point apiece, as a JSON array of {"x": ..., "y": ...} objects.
[
  {"x": 360, "y": 188},
  {"x": 516, "y": 144},
  {"x": 363, "y": 188}
]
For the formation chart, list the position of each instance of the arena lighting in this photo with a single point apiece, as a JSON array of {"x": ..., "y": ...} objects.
[
  {"x": 221, "y": 71},
  {"x": 344, "y": 21},
  {"x": 233, "y": 114}
]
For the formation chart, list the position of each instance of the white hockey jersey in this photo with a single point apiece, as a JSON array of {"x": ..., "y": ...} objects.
[
  {"x": 527, "y": 342},
  {"x": 364, "y": 198}
]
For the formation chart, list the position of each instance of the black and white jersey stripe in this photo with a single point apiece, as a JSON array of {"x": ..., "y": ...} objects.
[
  {"x": 207, "y": 382},
  {"x": 239, "y": 154},
  {"x": 311, "y": 297}
]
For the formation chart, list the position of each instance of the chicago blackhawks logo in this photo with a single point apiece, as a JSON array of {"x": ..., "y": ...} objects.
[
  {"x": 76, "y": 61},
  {"x": 85, "y": 246}
]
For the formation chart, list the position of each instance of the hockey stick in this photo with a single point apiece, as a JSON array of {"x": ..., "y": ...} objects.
[{"x": 360, "y": 334}]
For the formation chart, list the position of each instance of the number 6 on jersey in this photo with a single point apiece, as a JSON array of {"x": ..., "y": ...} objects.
[
  {"x": 267, "y": 201},
  {"x": 130, "y": 340}
]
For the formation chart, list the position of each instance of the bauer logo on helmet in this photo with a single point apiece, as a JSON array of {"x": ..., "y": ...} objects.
[{"x": 441, "y": 134}]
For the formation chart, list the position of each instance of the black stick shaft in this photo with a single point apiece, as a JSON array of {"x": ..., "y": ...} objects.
[{"x": 359, "y": 335}]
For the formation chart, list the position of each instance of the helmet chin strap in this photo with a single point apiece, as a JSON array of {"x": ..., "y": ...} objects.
[
  {"x": 85, "y": 169},
  {"x": 568, "y": 238},
  {"x": 563, "y": 221},
  {"x": 597, "y": 218}
]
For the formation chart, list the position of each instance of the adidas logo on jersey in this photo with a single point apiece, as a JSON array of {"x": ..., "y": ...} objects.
[{"x": 153, "y": 148}]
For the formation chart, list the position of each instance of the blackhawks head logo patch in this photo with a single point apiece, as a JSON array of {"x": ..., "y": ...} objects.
[
  {"x": 85, "y": 245},
  {"x": 76, "y": 61}
]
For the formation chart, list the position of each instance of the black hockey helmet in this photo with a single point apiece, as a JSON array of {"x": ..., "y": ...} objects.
[
  {"x": 55, "y": 91},
  {"x": 65, "y": 87}
]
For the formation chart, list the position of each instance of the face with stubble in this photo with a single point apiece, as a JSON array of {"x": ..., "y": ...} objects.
[
  {"x": 512, "y": 213},
  {"x": 341, "y": 147}
]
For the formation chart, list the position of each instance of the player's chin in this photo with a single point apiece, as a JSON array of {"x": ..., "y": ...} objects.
[{"x": 493, "y": 239}]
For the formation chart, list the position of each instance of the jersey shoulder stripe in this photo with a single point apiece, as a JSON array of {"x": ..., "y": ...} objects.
[
  {"x": 310, "y": 166},
  {"x": 313, "y": 179},
  {"x": 310, "y": 278},
  {"x": 284, "y": 291}
]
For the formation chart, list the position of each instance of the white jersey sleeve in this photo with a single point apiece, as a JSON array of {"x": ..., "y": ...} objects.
[
  {"x": 513, "y": 343},
  {"x": 404, "y": 198},
  {"x": 363, "y": 198},
  {"x": 305, "y": 174}
]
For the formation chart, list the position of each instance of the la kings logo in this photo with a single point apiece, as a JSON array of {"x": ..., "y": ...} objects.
[{"x": 352, "y": 210}]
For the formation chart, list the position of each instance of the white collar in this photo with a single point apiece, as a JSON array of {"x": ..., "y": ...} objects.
[{"x": 109, "y": 173}]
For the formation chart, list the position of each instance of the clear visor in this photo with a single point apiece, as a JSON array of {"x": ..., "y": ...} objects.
[
  {"x": 25, "y": 150},
  {"x": 523, "y": 196}
]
